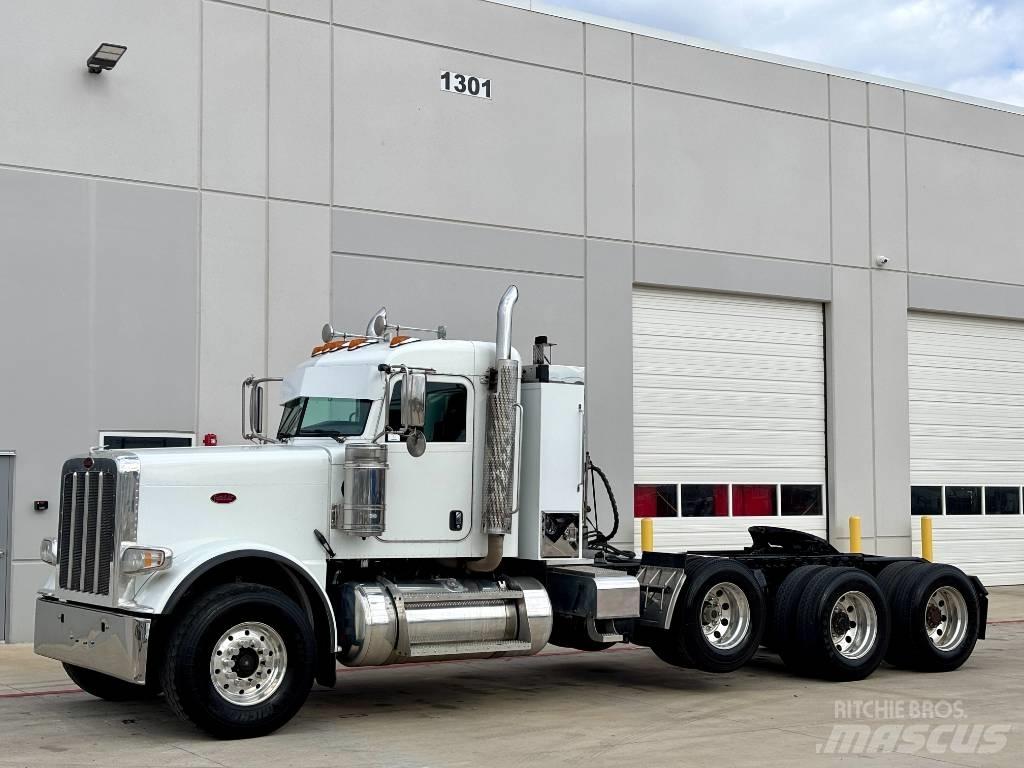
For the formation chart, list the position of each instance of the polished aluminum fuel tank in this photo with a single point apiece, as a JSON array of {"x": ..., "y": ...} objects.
[
  {"x": 387, "y": 623},
  {"x": 365, "y": 483}
]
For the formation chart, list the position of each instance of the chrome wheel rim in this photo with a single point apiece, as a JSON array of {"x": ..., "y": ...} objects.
[
  {"x": 248, "y": 663},
  {"x": 853, "y": 623},
  {"x": 945, "y": 618},
  {"x": 725, "y": 616}
]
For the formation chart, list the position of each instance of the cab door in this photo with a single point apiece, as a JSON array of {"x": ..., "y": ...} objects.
[{"x": 430, "y": 498}]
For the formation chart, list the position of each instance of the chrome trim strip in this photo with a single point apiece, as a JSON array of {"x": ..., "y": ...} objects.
[
  {"x": 99, "y": 537},
  {"x": 73, "y": 556}
]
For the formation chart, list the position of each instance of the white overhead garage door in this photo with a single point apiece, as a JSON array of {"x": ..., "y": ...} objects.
[
  {"x": 728, "y": 416},
  {"x": 967, "y": 441}
]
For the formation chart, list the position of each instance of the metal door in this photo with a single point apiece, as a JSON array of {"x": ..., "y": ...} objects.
[{"x": 6, "y": 470}]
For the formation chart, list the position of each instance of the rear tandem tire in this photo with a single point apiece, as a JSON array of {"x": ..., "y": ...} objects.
[
  {"x": 783, "y": 616},
  {"x": 841, "y": 628},
  {"x": 718, "y": 621},
  {"x": 936, "y": 618},
  {"x": 109, "y": 688}
]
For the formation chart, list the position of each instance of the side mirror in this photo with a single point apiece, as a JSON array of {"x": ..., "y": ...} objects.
[
  {"x": 414, "y": 400},
  {"x": 256, "y": 409}
]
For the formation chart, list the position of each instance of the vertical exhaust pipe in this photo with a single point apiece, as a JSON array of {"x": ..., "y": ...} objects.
[{"x": 499, "y": 443}]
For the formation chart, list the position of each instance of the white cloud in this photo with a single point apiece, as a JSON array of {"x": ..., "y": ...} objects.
[{"x": 970, "y": 46}]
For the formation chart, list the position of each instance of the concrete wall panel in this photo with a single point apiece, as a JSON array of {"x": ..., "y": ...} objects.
[
  {"x": 145, "y": 307},
  {"x": 850, "y": 434},
  {"x": 961, "y": 123},
  {"x": 404, "y": 145},
  {"x": 892, "y": 403},
  {"x": 885, "y": 107},
  {"x": 729, "y": 178},
  {"x": 462, "y": 298},
  {"x": 698, "y": 71},
  {"x": 319, "y": 10},
  {"x": 300, "y": 110},
  {"x": 609, "y": 330},
  {"x": 470, "y": 25},
  {"x": 609, "y": 159},
  {"x": 850, "y": 201},
  {"x": 299, "y": 286},
  {"x": 234, "y": 99},
  {"x": 677, "y": 267},
  {"x": 847, "y": 100},
  {"x": 609, "y": 53},
  {"x": 445, "y": 242},
  {"x": 966, "y": 297},
  {"x": 966, "y": 216},
  {"x": 27, "y": 576},
  {"x": 233, "y": 308},
  {"x": 49, "y": 340},
  {"x": 888, "y": 198},
  {"x": 135, "y": 122}
]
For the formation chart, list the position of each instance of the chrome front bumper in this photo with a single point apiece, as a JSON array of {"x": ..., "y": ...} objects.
[{"x": 112, "y": 643}]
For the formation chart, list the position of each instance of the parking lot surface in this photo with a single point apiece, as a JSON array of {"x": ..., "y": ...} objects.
[{"x": 563, "y": 708}]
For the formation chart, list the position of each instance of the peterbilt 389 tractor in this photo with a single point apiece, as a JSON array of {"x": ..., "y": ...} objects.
[{"x": 428, "y": 500}]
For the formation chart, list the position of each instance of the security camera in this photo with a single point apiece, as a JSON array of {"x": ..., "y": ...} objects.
[{"x": 881, "y": 260}]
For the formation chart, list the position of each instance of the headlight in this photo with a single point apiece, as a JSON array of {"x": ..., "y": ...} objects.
[
  {"x": 48, "y": 551},
  {"x": 145, "y": 559}
]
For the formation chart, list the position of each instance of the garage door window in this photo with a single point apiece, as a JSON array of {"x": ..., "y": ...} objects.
[
  {"x": 965, "y": 500},
  {"x": 655, "y": 501},
  {"x": 729, "y": 500}
]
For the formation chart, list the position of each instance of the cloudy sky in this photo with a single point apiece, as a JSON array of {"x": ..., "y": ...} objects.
[{"x": 969, "y": 46}]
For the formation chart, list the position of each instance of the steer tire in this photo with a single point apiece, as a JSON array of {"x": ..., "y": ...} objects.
[
  {"x": 191, "y": 662},
  {"x": 936, "y": 618},
  {"x": 109, "y": 688},
  {"x": 847, "y": 601},
  {"x": 719, "y": 619},
  {"x": 787, "y": 596}
]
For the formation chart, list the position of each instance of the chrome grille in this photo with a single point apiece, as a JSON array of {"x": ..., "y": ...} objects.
[{"x": 86, "y": 542}]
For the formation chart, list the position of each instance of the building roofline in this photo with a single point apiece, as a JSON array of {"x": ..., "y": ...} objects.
[{"x": 571, "y": 14}]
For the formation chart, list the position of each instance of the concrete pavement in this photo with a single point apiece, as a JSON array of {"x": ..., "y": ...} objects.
[{"x": 560, "y": 708}]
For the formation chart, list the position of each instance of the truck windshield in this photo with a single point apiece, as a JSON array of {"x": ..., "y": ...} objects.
[{"x": 324, "y": 416}]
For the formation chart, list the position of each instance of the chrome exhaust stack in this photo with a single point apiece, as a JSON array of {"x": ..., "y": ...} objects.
[{"x": 499, "y": 446}]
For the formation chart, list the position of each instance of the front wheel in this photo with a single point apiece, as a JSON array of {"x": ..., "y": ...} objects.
[
  {"x": 110, "y": 688},
  {"x": 240, "y": 662}
]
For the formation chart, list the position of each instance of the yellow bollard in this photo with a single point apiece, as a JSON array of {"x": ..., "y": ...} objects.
[
  {"x": 647, "y": 535},
  {"x": 855, "y": 544},
  {"x": 926, "y": 539}
]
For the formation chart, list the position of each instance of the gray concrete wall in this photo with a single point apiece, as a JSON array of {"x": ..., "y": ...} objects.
[{"x": 252, "y": 169}]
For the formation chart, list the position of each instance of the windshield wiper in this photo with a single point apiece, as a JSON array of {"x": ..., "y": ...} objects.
[{"x": 321, "y": 433}]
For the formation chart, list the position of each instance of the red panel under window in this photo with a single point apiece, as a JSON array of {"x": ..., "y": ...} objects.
[
  {"x": 721, "y": 501},
  {"x": 753, "y": 500},
  {"x": 645, "y": 501}
]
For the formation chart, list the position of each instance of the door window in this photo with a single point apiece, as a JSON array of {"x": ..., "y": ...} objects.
[{"x": 445, "y": 419}]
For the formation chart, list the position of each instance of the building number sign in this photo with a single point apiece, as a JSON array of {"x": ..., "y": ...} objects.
[{"x": 470, "y": 85}]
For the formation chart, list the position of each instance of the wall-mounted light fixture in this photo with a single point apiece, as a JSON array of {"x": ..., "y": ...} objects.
[{"x": 105, "y": 57}]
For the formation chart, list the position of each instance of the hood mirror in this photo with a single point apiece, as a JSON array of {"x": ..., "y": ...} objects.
[{"x": 416, "y": 443}]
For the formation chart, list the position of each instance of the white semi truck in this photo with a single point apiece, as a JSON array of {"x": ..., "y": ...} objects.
[{"x": 424, "y": 500}]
